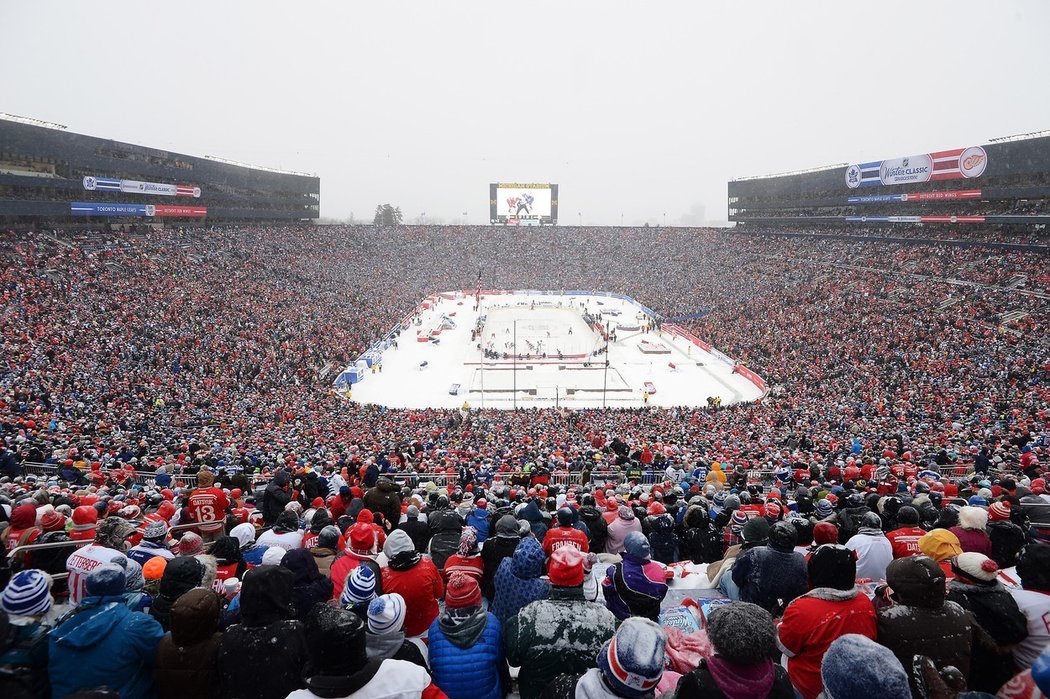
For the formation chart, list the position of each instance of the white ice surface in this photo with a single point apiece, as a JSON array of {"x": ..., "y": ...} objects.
[{"x": 403, "y": 384}]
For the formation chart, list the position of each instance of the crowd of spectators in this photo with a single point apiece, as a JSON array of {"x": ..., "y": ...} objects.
[{"x": 891, "y": 368}]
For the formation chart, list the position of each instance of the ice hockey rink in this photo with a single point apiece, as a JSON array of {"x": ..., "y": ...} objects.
[{"x": 559, "y": 359}]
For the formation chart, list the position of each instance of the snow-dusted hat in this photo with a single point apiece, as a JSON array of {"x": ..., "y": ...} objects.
[
  {"x": 632, "y": 661},
  {"x": 742, "y": 632},
  {"x": 28, "y": 593},
  {"x": 854, "y": 665},
  {"x": 971, "y": 517}
]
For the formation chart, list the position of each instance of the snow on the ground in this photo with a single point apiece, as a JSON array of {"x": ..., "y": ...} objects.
[{"x": 543, "y": 324}]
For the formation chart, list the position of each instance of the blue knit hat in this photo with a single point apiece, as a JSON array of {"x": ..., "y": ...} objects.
[
  {"x": 360, "y": 586},
  {"x": 106, "y": 581},
  {"x": 27, "y": 594},
  {"x": 632, "y": 661},
  {"x": 824, "y": 508},
  {"x": 720, "y": 498},
  {"x": 854, "y": 665}
]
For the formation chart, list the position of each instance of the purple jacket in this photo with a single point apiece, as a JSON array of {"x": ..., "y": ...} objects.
[
  {"x": 973, "y": 540},
  {"x": 635, "y": 587}
]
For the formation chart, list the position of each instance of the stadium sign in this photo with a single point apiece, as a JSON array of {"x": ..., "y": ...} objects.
[
  {"x": 109, "y": 184},
  {"x": 94, "y": 208},
  {"x": 915, "y": 196},
  {"x": 926, "y": 167}
]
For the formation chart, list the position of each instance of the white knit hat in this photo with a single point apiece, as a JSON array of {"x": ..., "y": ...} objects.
[{"x": 386, "y": 614}]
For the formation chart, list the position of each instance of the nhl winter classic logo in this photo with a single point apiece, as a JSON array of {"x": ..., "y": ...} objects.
[
  {"x": 89, "y": 183},
  {"x": 853, "y": 176}
]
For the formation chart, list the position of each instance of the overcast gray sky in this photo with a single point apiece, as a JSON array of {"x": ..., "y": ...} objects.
[{"x": 634, "y": 108}]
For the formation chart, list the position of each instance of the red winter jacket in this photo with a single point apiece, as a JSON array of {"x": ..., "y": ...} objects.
[
  {"x": 812, "y": 622},
  {"x": 421, "y": 586},
  {"x": 564, "y": 536}
]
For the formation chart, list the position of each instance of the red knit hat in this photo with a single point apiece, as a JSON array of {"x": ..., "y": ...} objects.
[
  {"x": 365, "y": 516},
  {"x": 566, "y": 567},
  {"x": 52, "y": 521},
  {"x": 462, "y": 591},
  {"x": 85, "y": 517},
  {"x": 825, "y": 533},
  {"x": 999, "y": 511},
  {"x": 362, "y": 538},
  {"x": 190, "y": 544}
]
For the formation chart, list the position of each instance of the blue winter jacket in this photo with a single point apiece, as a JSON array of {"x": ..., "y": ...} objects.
[
  {"x": 466, "y": 657},
  {"x": 518, "y": 581},
  {"x": 107, "y": 644},
  {"x": 479, "y": 519}
]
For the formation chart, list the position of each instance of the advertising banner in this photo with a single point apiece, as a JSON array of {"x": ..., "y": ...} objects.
[
  {"x": 94, "y": 208},
  {"x": 109, "y": 184},
  {"x": 915, "y": 196},
  {"x": 942, "y": 196},
  {"x": 183, "y": 211},
  {"x": 915, "y": 219},
  {"x": 926, "y": 167}
]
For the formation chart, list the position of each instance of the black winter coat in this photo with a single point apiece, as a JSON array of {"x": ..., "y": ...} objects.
[
  {"x": 384, "y": 499},
  {"x": 699, "y": 541},
  {"x": 418, "y": 532},
  {"x": 267, "y": 637},
  {"x": 496, "y": 548},
  {"x": 663, "y": 541},
  {"x": 275, "y": 498},
  {"x": 599, "y": 530},
  {"x": 1007, "y": 541},
  {"x": 181, "y": 575},
  {"x": 996, "y": 612},
  {"x": 923, "y": 622},
  {"x": 309, "y": 586}
]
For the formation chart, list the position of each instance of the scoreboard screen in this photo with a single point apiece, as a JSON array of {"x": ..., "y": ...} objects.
[{"x": 523, "y": 204}]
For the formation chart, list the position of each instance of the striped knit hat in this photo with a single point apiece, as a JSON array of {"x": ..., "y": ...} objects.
[
  {"x": 360, "y": 586},
  {"x": 739, "y": 519},
  {"x": 632, "y": 661},
  {"x": 824, "y": 508},
  {"x": 27, "y": 594},
  {"x": 999, "y": 511},
  {"x": 386, "y": 614}
]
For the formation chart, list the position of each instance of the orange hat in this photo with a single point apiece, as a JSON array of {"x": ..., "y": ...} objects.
[{"x": 154, "y": 568}]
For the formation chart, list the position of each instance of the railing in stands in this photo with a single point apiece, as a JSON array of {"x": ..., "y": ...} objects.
[{"x": 441, "y": 479}]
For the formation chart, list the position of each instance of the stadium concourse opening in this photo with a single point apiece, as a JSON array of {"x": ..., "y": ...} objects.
[{"x": 509, "y": 349}]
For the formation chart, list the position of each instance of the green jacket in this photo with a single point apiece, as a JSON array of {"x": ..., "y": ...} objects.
[{"x": 561, "y": 634}]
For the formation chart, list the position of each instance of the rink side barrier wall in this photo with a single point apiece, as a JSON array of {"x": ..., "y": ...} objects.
[{"x": 443, "y": 479}]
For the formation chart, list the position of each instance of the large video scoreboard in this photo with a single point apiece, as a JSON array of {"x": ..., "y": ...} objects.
[{"x": 518, "y": 204}]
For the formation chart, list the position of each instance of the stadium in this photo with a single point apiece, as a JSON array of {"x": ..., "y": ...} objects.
[{"x": 247, "y": 450}]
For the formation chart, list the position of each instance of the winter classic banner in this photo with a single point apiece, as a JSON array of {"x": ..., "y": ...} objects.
[{"x": 926, "y": 167}]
